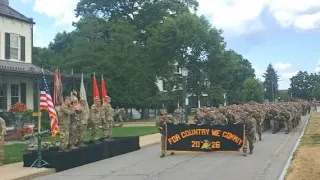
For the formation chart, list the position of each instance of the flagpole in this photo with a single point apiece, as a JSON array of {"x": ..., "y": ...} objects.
[{"x": 39, "y": 112}]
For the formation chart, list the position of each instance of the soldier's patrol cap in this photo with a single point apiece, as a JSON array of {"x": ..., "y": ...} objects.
[
  {"x": 74, "y": 98},
  {"x": 83, "y": 100},
  {"x": 67, "y": 97},
  {"x": 163, "y": 111}
]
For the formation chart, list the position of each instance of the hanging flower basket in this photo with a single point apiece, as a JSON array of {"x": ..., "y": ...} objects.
[{"x": 18, "y": 109}]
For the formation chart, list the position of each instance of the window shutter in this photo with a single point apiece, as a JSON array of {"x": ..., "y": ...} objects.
[
  {"x": 7, "y": 46},
  {"x": 23, "y": 93},
  {"x": 23, "y": 48},
  {"x": 3, "y": 99}
]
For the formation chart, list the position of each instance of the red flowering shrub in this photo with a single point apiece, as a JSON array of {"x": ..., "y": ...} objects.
[
  {"x": 18, "y": 107},
  {"x": 25, "y": 131}
]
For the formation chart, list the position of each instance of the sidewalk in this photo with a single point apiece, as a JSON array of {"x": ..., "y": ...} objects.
[{"x": 16, "y": 171}]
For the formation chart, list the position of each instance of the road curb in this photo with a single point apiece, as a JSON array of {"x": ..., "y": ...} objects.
[
  {"x": 288, "y": 163},
  {"x": 150, "y": 144},
  {"x": 36, "y": 175}
]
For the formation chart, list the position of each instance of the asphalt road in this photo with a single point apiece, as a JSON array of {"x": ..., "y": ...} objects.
[{"x": 266, "y": 163}]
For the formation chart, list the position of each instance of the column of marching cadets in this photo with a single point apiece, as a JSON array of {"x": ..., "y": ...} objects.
[{"x": 256, "y": 117}]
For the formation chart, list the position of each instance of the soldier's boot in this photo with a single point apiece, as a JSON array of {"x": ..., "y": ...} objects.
[
  {"x": 81, "y": 145},
  {"x": 244, "y": 150},
  {"x": 63, "y": 149},
  {"x": 1, "y": 160},
  {"x": 172, "y": 153},
  {"x": 107, "y": 139},
  {"x": 73, "y": 147},
  {"x": 273, "y": 129},
  {"x": 251, "y": 148},
  {"x": 162, "y": 155}
]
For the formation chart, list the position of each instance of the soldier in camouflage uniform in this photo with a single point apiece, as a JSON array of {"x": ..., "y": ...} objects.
[
  {"x": 64, "y": 120},
  {"x": 286, "y": 118},
  {"x": 118, "y": 116},
  {"x": 95, "y": 118},
  {"x": 274, "y": 120},
  {"x": 2, "y": 133},
  {"x": 74, "y": 123},
  {"x": 178, "y": 115},
  {"x": 161, "y": 124},
  {"x": 82, "y": 127},
  {"x": 106, "y": 115},
  {"x": 259, "y": 121},
  {"x": 249, "y": 131}
]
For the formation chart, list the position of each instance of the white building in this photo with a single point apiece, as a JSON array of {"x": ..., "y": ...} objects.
[
  {"x": 19, "y": 78},
  {"x": 196, "y": 103},
  {"x": 17, "y": 73}
]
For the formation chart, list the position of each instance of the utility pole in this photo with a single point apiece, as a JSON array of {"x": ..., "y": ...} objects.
[{"x": 272, "y": 91}]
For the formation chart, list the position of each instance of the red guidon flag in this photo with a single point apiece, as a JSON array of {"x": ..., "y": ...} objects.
[
  {"x": 47, "y": 104},
  {"x": 57, "y": 92},
  {"x": 95, "y": 88},
  {"x": 103, "y": 89}
]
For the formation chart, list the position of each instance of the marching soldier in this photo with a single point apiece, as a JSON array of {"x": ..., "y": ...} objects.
[
  {"x": 2, "y": 133},
  {"x": 82, "y": 128},
  {"x": 161, "y": 124},
  {"x": 65, "y": 111},
  {"x": 249, "y": 132},
  {"x": 118, "y": 116},
  {"x": 178, "y": 115},
  {"x": 95, "y": 117}
]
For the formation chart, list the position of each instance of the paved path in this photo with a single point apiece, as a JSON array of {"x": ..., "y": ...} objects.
[{"x": 267, "y": 162}]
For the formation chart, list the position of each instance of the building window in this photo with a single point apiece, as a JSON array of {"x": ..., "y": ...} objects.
[
  {"x": 14, "y": 93},
  {"x": 14, "y": 47}
]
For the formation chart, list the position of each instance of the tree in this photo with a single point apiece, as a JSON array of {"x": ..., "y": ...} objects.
[
  {"x": 316, "y": 91},
  {"x": 253, "y": 90},
  {"x": 301, "y": 86},
  {"x": 271, "y": 83},
  {"x": 133, "y": 43},
  {"x": 284, "y": 96},
  {"x": 240, "y": 70}
]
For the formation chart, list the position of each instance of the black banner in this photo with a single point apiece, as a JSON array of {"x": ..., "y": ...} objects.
[{"x": 204, "y": 138}]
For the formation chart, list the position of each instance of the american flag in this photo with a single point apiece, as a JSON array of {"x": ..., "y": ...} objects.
[{"x": 47, "y": 104}]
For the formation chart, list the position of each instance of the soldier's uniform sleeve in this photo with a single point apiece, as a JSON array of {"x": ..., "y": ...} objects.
[
  {"x": 3, "y": 130},
  {"x": 170, "y": 119},
  {"x": 66, "y": 110},
  {"x": 159, "y": 125},
  {"x": 93, "y": 111}
]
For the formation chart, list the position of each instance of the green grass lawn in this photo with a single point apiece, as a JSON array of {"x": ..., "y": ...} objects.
[{"x": 13, "y": 153}]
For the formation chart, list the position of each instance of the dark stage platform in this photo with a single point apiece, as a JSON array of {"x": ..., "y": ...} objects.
[{"x": 93, "y": 152}]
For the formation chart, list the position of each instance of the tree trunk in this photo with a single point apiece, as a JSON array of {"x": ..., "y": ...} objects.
[{"x": 145, "y": 114}]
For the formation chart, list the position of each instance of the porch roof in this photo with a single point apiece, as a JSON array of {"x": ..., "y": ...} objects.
[
  {"x": 18, "y": 67},
  {"x": 21, "y": 67}
]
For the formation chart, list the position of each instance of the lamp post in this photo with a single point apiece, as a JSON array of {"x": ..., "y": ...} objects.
[{"x": 184, "y": 72}]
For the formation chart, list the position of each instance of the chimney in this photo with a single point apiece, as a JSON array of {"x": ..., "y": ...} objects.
[{"x": 4, "y": 2}]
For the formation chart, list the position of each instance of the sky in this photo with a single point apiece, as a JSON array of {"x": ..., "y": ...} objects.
[{"x": 284, "y": 33}]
